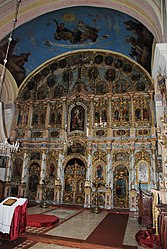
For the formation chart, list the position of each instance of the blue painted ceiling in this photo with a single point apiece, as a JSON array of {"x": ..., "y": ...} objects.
[{"x": 76, "y": 28}]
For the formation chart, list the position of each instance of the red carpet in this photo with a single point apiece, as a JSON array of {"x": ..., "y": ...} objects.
[
  {"x": 41, "y": 220},
  {"x": 110, "y": 231}
]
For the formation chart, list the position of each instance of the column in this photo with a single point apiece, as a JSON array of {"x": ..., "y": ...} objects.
[
  {"x": 60, "y": 167},
  {"x": 22, "y": 186},
  {"x": 91, "y": 116},
  {"x": 29, "y": 121},
  {"x": 87, "y": 189},
  {"x": 46, "y": 132},
  {"x": 9, "y": 165},
  {"x": 154, "y": 180},
  {"x": 43, "y": 167},
  {"x": 132, "y": 131},
  {"x": 109, "y": 116},
  {"x": 108, "y": 169},
  {"x": 60, "y": 173},
  {"x": 64, "y": 121},
  {"x": 89, "y": 169},
  {"x": 152, "y": 109},
  {"x": 24, "y": 170},
  {"x": 132, "y": 168},
  {"x": 111, "y": 173}
]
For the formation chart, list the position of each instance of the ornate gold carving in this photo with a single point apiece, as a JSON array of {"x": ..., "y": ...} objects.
[
  {"x": 74, "y": 180},
  {"x": 121, "y": 192}
]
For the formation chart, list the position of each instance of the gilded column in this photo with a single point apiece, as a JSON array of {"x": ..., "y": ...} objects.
[
  {"x": 47, "y": 121},
  {"x": 64, "y": 111},
  {"x": 30, "y": 120},
  {"x": 109, "y": 116},
  {"x": 64, "y": 124},
  {"x": 91, "y": 116},
  {"x": 154, "y": 180},
  {"x": 108, "y": 169},
  {"x": 132, "y": 131},
  {"x": 153, "y": 133},
  {"x": 30, "y": 114},
  {"x": 133, "y": 171},
  {"x": 89, "y": 170}
]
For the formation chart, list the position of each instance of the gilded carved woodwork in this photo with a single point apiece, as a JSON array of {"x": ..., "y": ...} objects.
[
  {"x": 121, "y": 182},
  {"x": 87, "y": 107},
  {"x": 74, "y": 182}
]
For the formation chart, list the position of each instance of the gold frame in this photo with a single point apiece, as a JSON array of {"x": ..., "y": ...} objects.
[
  {"x": 101, "y": 162},
  {"x": 148, "y": 172}
]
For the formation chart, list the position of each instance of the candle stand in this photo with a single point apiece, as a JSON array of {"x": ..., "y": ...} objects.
[
  {"x": 44, "y": 203},
  {"x": 96, "y": 209}
]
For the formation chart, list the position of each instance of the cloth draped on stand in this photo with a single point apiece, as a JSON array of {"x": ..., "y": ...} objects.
[{"x": 13, "y": 212}]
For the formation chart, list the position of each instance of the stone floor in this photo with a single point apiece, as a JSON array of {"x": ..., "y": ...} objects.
[
  {"x": 74, "y": 227},
  {"x": 80, "y": 225}
]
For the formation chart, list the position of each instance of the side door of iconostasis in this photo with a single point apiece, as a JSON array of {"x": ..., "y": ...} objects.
[
  {"x": 121, "y": 181},
  {"x": 34, "y": 175},
  {"x": 51, "y": 175},
  {"x": 34, "y": 178},
  {"x": 99, "y": 177},
  {"x": 16, "y": 175},
  {"x": 74, "y": 181}
]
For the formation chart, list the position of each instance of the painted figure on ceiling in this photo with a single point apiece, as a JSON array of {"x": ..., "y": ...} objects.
[{"x": 79, "y": 34}]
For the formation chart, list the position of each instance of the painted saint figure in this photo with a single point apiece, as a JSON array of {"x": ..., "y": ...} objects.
[
  {"x": 77, "y": 118},
  {"x": 99, "y": 172}
]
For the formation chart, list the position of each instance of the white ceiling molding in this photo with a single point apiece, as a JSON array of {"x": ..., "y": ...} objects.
[{"x": 160, "y": 60}]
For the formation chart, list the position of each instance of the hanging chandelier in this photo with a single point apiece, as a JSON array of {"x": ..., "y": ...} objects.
[{"x": 6, "y": 148}]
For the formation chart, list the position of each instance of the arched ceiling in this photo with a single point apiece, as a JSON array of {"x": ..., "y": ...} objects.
[
  {"x": 148, "y": 12},
  {"x": 68, "y": 29},
  {"x": 114, "y": 25}
]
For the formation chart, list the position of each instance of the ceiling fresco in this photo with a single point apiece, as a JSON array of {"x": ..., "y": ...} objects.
[{"x": 75, "y": 28}]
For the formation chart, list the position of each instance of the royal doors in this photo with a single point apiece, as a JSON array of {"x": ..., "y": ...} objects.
[{"x": 74, "y": 181}]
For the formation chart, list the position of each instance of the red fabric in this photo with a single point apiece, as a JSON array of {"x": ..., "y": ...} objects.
[
  {"x": 41, "y": 220},
  {"x": 110, "y": 231},
  {"x": 147, "y": 238},
  {"x": 18, "y": 224}
]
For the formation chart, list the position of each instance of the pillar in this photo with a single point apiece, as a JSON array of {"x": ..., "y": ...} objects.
[
  {"x": 89, "y": 168},
  {"x": 91, "y": 116},
  {"x": 108, "y": 169},
  {"x": 109, "y": 116},
  {"x": 43, "y": 167},
  {"x": 24, "y": 170},
  {"x": 132, "y": 131},
  {"x": 152, "y": 109}
]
